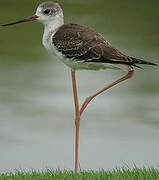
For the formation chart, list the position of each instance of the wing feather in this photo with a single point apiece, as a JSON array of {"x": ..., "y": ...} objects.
[{"x": 84, "y": 44}]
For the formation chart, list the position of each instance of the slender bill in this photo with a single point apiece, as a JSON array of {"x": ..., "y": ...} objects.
[{"x": 30, "y": 18}]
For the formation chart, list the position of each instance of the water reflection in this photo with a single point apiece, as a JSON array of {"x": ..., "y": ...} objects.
[{"x": 36, "y": 104}]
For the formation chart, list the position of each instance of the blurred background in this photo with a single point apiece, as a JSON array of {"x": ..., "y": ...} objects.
[{"x": 119, "y": 128}]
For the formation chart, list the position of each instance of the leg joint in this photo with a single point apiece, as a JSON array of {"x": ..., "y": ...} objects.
[{"x": 130, "y": 73}]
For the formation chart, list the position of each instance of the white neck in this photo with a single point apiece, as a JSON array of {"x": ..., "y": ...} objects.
[
  {"x": 50, "y": 29},
  {"x": 56, "y": 22}
]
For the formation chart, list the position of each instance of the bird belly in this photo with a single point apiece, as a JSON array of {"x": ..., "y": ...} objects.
[{"x": 79, "y": 65}]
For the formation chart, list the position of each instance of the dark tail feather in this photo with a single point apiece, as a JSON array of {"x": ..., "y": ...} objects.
[
  {"x": 139, "y": 61},
  {"x": 138, "y": 66}
]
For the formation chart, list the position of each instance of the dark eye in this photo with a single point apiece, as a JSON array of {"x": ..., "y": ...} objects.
[{"x": 47, "y": 11}]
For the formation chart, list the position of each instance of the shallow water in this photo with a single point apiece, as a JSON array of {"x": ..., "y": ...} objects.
[{"x": 119, "y": 128}]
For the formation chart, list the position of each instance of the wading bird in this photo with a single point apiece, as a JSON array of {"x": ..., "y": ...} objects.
[{"x": 80, "y": 47}]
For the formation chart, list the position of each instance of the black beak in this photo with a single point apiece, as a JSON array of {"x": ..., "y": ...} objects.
[{"x": 30, "y": 18}]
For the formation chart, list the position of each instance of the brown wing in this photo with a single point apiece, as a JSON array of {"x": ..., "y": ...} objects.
[{"x": 82, "y": 43}]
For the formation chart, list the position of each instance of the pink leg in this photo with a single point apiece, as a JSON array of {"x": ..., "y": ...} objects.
[
  {"x": 77, "y": 119},
  {"x": 88, "y": 99}
]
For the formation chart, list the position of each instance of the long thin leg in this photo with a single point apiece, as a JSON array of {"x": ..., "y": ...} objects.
[
  {"x": 88, "y": 99},
  {"x": 77, "y": 119}
]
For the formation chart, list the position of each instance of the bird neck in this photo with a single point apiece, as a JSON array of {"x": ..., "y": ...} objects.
[
  {"x": 51, "y": 28},
  {"x": 54, "y": 23}
]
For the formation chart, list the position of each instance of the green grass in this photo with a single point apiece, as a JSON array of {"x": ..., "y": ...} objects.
[{"x": 117, "y": 174}]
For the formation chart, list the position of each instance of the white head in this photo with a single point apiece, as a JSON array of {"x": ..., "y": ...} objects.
[{"x": 47, "y": 13}]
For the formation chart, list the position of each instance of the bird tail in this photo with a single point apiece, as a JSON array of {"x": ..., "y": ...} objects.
[{"x": 139, "y": 61}]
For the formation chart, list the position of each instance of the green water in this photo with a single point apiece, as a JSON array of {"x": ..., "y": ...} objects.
[{"x": 36, "y": 104}]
